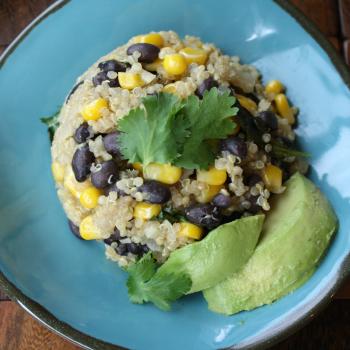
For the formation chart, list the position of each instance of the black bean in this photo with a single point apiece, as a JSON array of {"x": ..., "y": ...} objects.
[
  {"x": 145, "y": 248},
  {"x": 247, "y": 124},
  {"x": 134, "y": 248},
  {"x": 100, "y": 77},
  {"x": 235, "y": 145},
  {"x": 114, "y": 237},
  {"x": 222, "y": 200},
  {"x": 106, "y": 175},
  {"x": 155, "y": 192},
  {"x": 254, "y": 207},
  {"x": 252, "y": 180},
  {"x": 113, "y": 66},
  {"x": 81, "y": 163},
  {"x": 110, "y": 141},
  {"x": 205, "y": 215},
  {"x": 205, "y": 85},
  {"x": 113, "y": 188},
  {"x": 74, "y": 89},
  {"x": 74, "y": 228},
  {"x": 149, "y": 53},
  {"x": 266, "y": 121},
  {"x": 83, "y": 133},
  {"x": 122, "y": 249}
]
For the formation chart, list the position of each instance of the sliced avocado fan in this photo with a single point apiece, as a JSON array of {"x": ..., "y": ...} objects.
[
  {"x": 295, "y": 235},
  {"x": 222, "y": 252}
]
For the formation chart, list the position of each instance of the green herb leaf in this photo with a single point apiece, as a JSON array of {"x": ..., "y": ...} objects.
[
  {"x": 207, "y": 119},
  {"x": 170, "y": 215},
  {"x": 148, "y": 133},
  {"x": 168, "y": 130},
  {"x": 52, "y": 124},
  {"x": 281, "y": 151},
  {"x": 160, "y": 290}
]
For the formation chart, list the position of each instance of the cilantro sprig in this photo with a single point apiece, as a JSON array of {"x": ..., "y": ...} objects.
[
  {"x": 166, "y": 129},
  {"x": 143, "y": 286},
  {"x": 52, "y": 124}
]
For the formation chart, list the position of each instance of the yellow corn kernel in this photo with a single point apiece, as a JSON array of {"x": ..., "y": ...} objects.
[
  {"x": 274, "y": 87},
  {"x": 284, "y": 109},
  {"x": 175, "y": 64},
  {"x": 88, "y": 230},
  {"x": 208, "y": 194},
  {"x": 212, "y": 176},
  {"x": 272, "y": 176},
  {"x": 93, "y": 110},
  {"x": 194, "y": 55},
  {"x": 165, "y": 173},
  {"x": 89, "y": 197},
  {"x": 170, "y": 89},
  {"x": 73, "y": 186},
  {"x": 57, "y": 171},
  {"x": 137, "y": 166},
  {"x": 247, "y": 103},
  {"x": 153, "y": 67},
  {"x": 129, "y": 80},
  {"x": 146, "y": 211},
  {"x": 151, "y": 38},
  {"x": 190, "y": 230}
]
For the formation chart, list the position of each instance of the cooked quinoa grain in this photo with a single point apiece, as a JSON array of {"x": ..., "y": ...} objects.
[{"x": 239, "y": 182}]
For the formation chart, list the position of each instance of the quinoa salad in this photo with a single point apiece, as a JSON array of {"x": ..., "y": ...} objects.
[{"x": 165, "y": 139}]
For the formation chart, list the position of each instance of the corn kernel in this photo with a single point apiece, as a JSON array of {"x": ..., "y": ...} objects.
[
  {"x": 137, "y": 166},
  {"x": 165, "y": 173},
  {"x": 212, "y": 176},
  {"x": 194, "y": 55},
  {"x": 57, "y": 171},
  {"x": 208, "y": 194},
  {"x": 190, "y": 230},
  {"x": 146, "y": 211},
  {"x": 170, "y": 89},
  {"x": 247, "y": 103},
  {"x": 73, "y": 186},
  {"x": 88, "y": 230},
  {"x": 89, "y": 197},
  {"x": 153, "y": 67},
  {"x": 175, "y": 64},
  {"x": 272, "y": 176},
  {"x": 284, "y": 109},
  {"x": 274, "y": 87},
  {"x": 129, "y": 80},
  {"x": 93, "y": 110},
  {"x": 151, "y": 38}
]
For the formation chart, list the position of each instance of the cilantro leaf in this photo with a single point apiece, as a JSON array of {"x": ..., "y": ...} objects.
[
  {"x": 209, "y": 118},
  {"x": 52, "y": 124},
  {"x": 147, "y": 132},
  {"x": 161, "y": 290}
]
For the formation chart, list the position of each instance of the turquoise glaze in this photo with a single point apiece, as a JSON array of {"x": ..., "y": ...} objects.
[{"x": 71, "y": 278}]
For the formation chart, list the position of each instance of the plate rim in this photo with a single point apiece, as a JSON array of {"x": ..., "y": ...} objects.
[{"x": 86, "y": 341}]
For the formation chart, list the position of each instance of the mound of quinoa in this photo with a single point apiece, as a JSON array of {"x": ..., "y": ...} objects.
[{"x": 113, "y": 215}]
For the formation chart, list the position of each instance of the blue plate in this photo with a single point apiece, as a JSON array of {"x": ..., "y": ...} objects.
[{"x": 67, "y": 283}]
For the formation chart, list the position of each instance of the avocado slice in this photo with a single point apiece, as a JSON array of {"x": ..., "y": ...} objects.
[
  {"x": 222, "y": 252},
  {"x": 295, "y": 235}
]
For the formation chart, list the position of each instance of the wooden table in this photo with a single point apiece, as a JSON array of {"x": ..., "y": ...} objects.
[{"x": 330, "y": 330}]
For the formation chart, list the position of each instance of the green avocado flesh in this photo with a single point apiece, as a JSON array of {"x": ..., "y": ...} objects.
[
  {"x": 222, "y": 252},
  {"x": 295, "y": 235}
]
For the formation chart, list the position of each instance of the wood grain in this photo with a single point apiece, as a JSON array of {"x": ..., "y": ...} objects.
[
  {"x": 324, "y": 13},
  {"x": 347, "y": 51},
  {"x": 19, "y": 331},
  {"x": 344, "y": 10}
]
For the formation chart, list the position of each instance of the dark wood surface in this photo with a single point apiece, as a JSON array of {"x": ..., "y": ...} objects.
[{"x": 328, "y": 331}]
